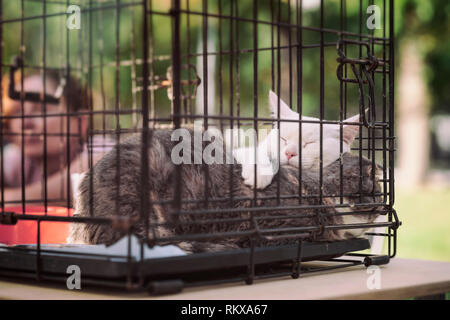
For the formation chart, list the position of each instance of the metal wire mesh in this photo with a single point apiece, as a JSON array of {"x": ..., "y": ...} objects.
[{"x": 140, "y": 66}]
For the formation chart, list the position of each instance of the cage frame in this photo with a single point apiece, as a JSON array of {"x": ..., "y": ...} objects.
[{"x": 133, "y": 276}]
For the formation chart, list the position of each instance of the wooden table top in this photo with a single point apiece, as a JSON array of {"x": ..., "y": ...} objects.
[{"x": 400, "y": 279}]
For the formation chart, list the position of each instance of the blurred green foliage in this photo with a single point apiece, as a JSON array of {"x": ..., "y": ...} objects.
[
  {"x": 91, "y": 51},
  {"x": 428, "y": 23}
]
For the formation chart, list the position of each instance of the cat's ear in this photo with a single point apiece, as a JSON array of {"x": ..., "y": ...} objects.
[
  {"x": 350, "y": 131},
  {"x": 285, "y": 111}
]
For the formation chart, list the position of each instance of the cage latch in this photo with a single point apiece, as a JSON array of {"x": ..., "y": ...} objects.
[
  {"x": 397, "y": 223},
  {"x": 366, "y": 65}
]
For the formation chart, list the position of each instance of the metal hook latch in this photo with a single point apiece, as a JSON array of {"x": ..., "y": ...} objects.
[{"x": 367, "y": 65}]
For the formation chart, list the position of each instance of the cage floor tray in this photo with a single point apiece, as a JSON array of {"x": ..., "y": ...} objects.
[{"x": 54, "y": 260}]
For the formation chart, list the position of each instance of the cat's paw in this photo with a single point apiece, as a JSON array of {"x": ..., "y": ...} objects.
[{"x": 263, "y": 178}]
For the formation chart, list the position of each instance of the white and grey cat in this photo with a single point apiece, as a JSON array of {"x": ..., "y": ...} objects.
[
  {"x": 268, "y": 158},
  {"x": 100, "y": 196}
]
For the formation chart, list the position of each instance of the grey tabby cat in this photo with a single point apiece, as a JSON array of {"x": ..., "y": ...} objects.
[{"x": 161, "y": 181}]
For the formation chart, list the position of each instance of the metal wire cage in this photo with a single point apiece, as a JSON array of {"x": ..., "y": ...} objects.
[{"x": 137, "y": 67}]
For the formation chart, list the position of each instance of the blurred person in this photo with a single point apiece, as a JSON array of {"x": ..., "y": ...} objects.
[{"x": 66, "y": 138}]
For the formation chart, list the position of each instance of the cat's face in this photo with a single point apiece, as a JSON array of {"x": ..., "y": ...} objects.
[{"x": 310, "y": 144}]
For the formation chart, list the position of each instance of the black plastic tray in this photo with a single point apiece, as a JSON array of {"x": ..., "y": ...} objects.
[{"x": 118, "y": 267}]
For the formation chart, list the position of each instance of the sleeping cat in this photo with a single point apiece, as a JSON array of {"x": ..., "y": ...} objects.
[
  {"x": 223, "y": 181},
  {"x": 267, "y": 151}
]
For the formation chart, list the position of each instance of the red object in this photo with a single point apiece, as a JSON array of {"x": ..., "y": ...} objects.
[{"x": 25, "y": 231}]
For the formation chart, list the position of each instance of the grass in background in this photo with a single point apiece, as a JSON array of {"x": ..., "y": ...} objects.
[{"x": 425, "y": 229}]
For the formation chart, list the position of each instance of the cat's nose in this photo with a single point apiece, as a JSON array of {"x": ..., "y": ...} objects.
[{"x": 290, "y": 154}]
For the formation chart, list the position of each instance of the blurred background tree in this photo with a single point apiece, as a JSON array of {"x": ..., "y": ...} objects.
[{"x": 424, "y": 61}]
